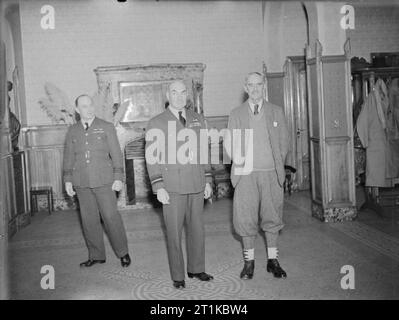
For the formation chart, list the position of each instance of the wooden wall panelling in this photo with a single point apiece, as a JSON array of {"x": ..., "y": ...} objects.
[
  {"x": 331, "y": 134},
  {"x": 337, "y": 167},
  {"x": 315, "y": 153},
  {"x": 11, "y": 201},
  {"x": 44, "y": 147}
]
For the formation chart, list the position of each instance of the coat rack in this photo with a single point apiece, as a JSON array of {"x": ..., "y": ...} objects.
[{"x": 363, "y": 80}]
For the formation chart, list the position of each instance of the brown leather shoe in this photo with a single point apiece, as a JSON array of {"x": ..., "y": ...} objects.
[
  {"x": 248, "y": 270},
  {"x": 91, "y": 262},
  {"x": 200, "y": 276},
  {"x": 125, "y": 261},
  {"x": 274, "y": 267},
  {"x": 179, "y": 284}
]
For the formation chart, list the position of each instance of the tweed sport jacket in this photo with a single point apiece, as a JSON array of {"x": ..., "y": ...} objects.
[{"x": 278, "y": 135}]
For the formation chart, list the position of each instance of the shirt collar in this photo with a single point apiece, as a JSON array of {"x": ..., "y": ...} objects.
[
  {"x": 252, "y": 105},
  {"x": 89, "y": 122},
  {"x": 176, "y": 112}
]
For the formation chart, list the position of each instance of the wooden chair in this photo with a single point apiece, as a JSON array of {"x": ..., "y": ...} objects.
[{"x": 39, "y": 191}]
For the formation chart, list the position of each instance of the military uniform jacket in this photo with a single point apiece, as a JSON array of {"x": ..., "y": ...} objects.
[
  {"x": 278, "y": 135},
  {"x": 176, "y": 177},
  {"x": 92, "y": 158}
]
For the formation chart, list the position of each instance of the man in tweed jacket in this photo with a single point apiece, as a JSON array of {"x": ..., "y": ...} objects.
[{"x": 259, "y": 175}]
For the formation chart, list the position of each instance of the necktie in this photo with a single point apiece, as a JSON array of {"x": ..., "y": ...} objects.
[
  {"x": 181, "y": 118},
  {"x": 87, "y": 126},
  {"x": 256, "y": 111}
]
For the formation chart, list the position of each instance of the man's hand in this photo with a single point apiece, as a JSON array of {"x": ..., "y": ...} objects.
[
  {"x": 117, "y": 185},
  {"x": 69, "y": 189},
  {"x": 208, "y": 191},
  {"x": 163, "y": 196}
]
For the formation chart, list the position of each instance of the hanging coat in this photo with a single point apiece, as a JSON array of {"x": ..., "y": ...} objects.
[
  {"x": 393, "y": 130},
  {"x": 370, "y": 128},
  {"x": 393, "y": 110}
]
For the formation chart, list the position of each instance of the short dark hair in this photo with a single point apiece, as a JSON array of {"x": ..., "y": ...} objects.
[{"x": 81, "y": 96}]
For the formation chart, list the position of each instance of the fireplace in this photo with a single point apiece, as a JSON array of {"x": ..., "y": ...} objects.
[
  {"x": 142, "y": 90},
  {"x": 138, "y": 186}
]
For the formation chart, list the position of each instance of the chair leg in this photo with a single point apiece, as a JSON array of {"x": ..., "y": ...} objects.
[
  {"x": 52, "y": 201},
  {"x": 32, "y": 211},
  {"x": 48, "y": 202},
  {"x": 35, "y": 208}
]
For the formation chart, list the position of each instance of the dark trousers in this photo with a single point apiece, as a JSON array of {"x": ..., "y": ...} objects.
[
  {"x": 96, "y": 202},
  {"x": 187, "y": 207}
]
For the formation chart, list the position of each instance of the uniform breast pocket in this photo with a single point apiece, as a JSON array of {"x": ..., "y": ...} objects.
[
  {"x": 77, "y": 146},
  {"x": 100, "y": 141}
]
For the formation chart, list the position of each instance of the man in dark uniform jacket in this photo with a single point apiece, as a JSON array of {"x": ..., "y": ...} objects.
[
  {"x": 93, "y": 165},
  {"x": 180, "y": 185}
]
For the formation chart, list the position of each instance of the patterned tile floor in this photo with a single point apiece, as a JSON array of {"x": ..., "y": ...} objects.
[{"x": 311, "y": 252}]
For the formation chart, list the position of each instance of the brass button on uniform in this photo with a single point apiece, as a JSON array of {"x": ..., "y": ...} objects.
[{"x": 87, "y": 161}]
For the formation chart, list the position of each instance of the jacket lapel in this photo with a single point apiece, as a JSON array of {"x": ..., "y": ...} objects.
[
  {"x": 244, "y": 116},
  {"x": 269, "y": 113},
  {"x": 94, "y": 124}
]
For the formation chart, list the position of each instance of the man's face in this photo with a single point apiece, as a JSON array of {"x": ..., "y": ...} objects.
[
  {"x": 85, "y": 108},
  {"x": 254, "y": 87},
  {"x": 177, "y": 95}
]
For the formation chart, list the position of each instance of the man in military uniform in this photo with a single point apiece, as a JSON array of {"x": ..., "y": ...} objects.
[
  {"x": 93, "y": 166},
  {"x": 179, "y": 185},
  {"x": 259, "y": 189}
]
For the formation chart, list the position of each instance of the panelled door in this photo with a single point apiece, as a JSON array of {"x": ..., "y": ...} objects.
[
  {"x": 3, "y": 188},
  {"x": 296, "y": 110}
]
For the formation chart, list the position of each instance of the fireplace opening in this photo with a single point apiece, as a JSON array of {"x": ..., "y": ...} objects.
[{"x": 138, "y": 185}]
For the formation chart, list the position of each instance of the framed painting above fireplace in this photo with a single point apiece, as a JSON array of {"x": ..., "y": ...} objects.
[{"x": 143, "y": 100}]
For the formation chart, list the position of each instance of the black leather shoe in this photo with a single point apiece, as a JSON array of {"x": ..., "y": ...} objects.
[
  {"x": 201, "y": 276},
  {"x": 90, "y": 262},
  {"x": 125, "y": 260},
  {"x": 179, "y": 284},
  {"x": 248, "y": 270},
  {"x": 274, "y": 267}
]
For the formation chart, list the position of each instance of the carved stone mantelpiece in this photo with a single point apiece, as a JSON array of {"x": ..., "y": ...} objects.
[{"x": 191, "y": 73}]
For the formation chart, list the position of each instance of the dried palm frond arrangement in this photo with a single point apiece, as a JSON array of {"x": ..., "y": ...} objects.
[
  {"x": 103, "y": 103},
  {"x": 57, "y": 105},
  {"x": 59, "y": 109}
]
